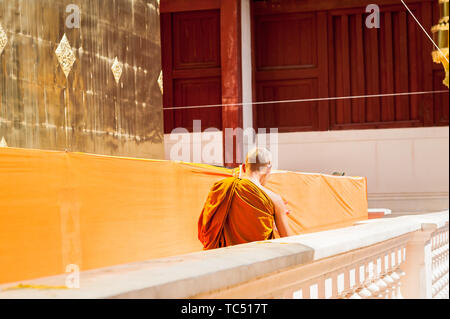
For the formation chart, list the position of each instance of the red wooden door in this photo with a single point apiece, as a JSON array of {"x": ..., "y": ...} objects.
[
  {"x": 290, "y": 64},
  {"x": 381, "y": 60},
  {"x": 191, "y": 61},
  {"x": 307, "y": 49}
]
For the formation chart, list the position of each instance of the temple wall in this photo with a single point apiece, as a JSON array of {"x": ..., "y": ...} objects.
[{"x": 87, "y": 111}]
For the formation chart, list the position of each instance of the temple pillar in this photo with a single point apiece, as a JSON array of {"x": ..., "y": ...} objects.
[{"x": 230, "y": 17}]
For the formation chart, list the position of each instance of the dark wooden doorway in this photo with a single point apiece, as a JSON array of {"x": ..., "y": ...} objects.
[{"x": 192, "y": 68}]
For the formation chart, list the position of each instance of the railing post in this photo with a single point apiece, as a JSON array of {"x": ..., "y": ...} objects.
[{"x": 417, "y": 282}]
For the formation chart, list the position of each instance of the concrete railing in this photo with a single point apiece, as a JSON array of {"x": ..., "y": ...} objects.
[{"x": 401, "y": 257}]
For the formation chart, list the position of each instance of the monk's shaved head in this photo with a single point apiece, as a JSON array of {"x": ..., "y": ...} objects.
[{"x": 257, "y": 159}]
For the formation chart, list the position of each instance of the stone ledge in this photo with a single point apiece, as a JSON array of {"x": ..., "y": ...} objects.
[{"x": 188, "y": 275}]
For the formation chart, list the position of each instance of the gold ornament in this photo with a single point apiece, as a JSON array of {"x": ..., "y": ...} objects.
[
  {"x": 3, "y": 39},
  {"x": 65, "y": 55},
  {"x": 440, "y": 37},
  {"x": 116, "y": 69}
]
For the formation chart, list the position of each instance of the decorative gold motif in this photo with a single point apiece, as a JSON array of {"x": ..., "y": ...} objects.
[
  {"x": 3, "y": 39},
  {"x": 3, "y": 142},
  {"x": 116, "y": 70},
  {"x": 440, "y": 37},
  {"x": 160, "y": 82},
  {"x": 65, "y": 55}
]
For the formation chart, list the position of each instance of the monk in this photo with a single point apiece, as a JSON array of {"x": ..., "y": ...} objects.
[{"x": 240, "y": 209}]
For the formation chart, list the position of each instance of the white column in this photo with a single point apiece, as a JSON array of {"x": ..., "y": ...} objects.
[
  {"x": 417, "y": 282},
  {"x": 247, "y": 85}
]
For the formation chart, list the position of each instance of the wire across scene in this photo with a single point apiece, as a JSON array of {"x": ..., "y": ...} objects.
[{"x": 308, "y": 100}]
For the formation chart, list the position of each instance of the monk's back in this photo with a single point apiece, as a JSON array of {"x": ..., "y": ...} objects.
[{"x": 236, "y": 211}]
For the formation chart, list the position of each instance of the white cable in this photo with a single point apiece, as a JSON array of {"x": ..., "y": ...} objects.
[
  {"x": 407, "y": 8},
  {"x": 307, "y": 100}
]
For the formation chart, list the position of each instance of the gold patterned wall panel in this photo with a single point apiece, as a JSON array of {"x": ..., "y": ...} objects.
[{"x": 60, "y": 86}]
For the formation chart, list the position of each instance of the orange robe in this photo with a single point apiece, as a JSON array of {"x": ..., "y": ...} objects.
[{"x": 236, "y": 212}]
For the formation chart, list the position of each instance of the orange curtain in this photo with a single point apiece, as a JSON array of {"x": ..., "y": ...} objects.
[
  {"x": 321, "y": 202},
  {"x": 95, "y": 211}
]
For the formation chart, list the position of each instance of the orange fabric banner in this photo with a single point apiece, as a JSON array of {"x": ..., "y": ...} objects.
[
  {"x": 59, "y": 209},
  {"x": 320, "y": 202}
]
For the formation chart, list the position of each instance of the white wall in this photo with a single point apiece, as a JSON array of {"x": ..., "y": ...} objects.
[
  {"x": 196, "y": 147},
  {"x": 407, "y": 169}
]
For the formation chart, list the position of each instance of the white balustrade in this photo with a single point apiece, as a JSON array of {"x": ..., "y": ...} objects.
[
  {"x": 440, "y": 263},
  {"x": 387, "y": 258},
  {"x": 375, "y": 277}
]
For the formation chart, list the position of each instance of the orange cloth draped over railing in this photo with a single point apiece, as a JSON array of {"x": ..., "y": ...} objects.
[
  {"x": 320, "y": 202},
  {"x": 59, "y": 208}
]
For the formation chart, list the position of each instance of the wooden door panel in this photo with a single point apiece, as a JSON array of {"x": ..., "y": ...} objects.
[
  {"x": 374, "y": 61},
  {"x": 286, "y": 42},
  {"x": 357, "y": 83},
  {"x": 195, "y": 92},
  {"x": 287, "y": 67},
  {"x": 196, "y": 40},
  {"x": 192, "y": 72},
  {"x": 414, "y": 56},
  {"x": 401, "y": 74},
  {"x": 372, "y": 71},
  {"x": 287, "y": 116},
  {"x": 387, "y": 70}
]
